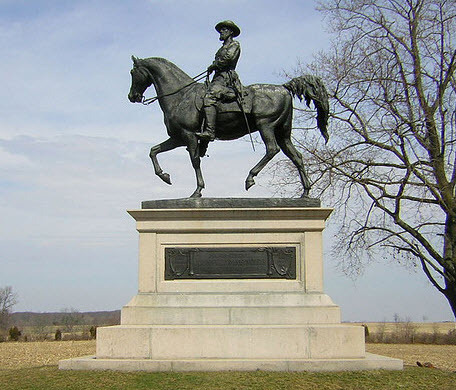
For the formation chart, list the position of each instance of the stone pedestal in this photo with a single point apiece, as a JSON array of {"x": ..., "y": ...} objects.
[{"x": 218, "y": 291}]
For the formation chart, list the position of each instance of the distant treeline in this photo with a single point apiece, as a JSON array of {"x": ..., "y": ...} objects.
[{"x": 96, "y": 318}]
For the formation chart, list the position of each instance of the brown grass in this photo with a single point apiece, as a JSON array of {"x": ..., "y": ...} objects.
[
  {"x": 407, "y": 332},
  {"x": 419, "y": 327},
  {"x": 441, "y": 356},
  {"x": 42, "y": 353}
]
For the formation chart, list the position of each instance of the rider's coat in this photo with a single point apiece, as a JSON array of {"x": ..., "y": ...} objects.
[{"x": 221, "y": 86}]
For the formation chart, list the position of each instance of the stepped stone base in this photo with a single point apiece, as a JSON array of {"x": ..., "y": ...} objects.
[
  {"x": 230, "y": 342},
  {"x": 242, "y": 302},
  {"x": 369, "y": 362},
  {"x": 230, "y": 309}
]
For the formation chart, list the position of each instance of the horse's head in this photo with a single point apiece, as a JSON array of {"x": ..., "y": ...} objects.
[{"x": 141, "y": 79}]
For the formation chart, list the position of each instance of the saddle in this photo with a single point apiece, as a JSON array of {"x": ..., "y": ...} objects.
[{"x": 229, "y": 102}]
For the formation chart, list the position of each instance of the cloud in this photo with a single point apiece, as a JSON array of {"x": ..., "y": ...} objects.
[{"x": 11, "y": 160}]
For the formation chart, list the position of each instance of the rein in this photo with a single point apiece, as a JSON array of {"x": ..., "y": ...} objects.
[{"x": 151, "y": 100}]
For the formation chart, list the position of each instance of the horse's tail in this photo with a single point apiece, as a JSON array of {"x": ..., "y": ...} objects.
[{"x": 312, "y": 88}]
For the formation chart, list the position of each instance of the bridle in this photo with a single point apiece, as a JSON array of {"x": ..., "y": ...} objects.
[{"x": 151, "y": 100}]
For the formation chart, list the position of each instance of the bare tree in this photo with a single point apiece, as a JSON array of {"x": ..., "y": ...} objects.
[
  {"x": 71, "y": 317},
  {"x": 390, "y": 166},
  {"x": 7, "y": 300}
]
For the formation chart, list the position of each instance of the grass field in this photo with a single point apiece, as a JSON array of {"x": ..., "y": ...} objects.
[
  {"x": 410, "y": 332},
  {"x": 419, "y": 327},
  {"x": 50, "y": 378},
  {"x": 33, "y": 366}
]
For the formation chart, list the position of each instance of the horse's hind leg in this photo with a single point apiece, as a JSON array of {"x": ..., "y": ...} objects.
[
  {"x": 272, "y": 149},
  {"x": 194, "y": 152},
  {"x": 293, "y": 154},
  {"x": 169, "y": 144}
]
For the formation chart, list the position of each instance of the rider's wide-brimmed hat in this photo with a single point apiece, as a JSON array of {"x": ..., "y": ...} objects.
[{"x": 228, "y": 24}]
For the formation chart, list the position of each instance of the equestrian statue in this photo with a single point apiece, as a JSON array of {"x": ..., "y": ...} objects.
[{"x": 198, "y": 113}]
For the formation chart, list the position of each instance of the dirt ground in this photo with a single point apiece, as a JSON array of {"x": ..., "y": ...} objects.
[
  {"x": 42, "y": 353},
  {"x": 48, "y": 353}
]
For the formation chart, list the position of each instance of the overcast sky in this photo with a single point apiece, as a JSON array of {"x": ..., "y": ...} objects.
[{"x": 74, "y": 150}]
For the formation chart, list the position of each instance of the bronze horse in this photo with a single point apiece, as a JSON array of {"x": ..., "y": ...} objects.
[{"x": 271, "y": 114}]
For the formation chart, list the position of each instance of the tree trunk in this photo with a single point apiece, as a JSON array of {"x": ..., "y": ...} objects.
[
  {"x": 450, "y": 294},
  {"x": 449, "y": 262}
]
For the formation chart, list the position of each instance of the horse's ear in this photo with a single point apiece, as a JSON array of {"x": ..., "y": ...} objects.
[{"x": 135, "y": 60}]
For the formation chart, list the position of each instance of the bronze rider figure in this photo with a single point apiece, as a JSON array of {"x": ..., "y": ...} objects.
[{"x": 225, "y": 80}]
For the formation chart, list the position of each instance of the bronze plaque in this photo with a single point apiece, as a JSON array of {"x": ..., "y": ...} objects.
[{"x": 230, "y": 263}]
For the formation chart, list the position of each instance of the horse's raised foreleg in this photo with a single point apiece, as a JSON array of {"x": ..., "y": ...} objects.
[
  {"x": 272, "y": 149},
  {"x": 169, "y": 144},
  {"x": 292, "y": 153}
]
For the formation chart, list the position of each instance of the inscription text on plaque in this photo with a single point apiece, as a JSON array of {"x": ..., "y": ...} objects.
[{"x": 230, "y": 263}]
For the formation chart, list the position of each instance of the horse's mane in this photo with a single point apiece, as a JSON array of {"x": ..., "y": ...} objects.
[{"x": 170, "y": 67}]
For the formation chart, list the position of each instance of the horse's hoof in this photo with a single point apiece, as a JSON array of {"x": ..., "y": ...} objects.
[
  {"x": 165, "y": 177},
  {"x": 196, "y": 194},
  {"x": 249, "y": 183}
]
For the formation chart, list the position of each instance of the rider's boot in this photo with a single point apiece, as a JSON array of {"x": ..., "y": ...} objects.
[{"x": 209, "y": 129}]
